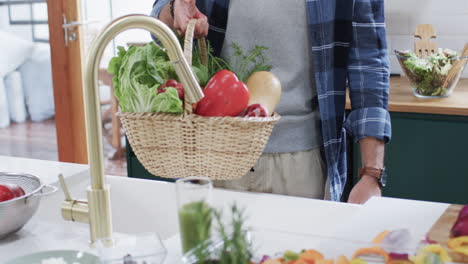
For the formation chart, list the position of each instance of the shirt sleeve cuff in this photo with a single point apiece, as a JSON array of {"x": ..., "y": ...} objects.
[
  {"x": 157, "y": 7},
  {"x": 369, "y": 122}
]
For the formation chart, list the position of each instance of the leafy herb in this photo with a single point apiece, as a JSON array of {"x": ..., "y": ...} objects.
[
  {"x": 236, "y": 249},
  {"x": 244, "y": 65},
  {"x": 241, "y": 63}
]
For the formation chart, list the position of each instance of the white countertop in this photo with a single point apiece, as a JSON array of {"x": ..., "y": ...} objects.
[{"x": 140, "y": 206}]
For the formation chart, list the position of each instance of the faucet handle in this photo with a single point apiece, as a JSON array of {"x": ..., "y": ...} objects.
[{"x": 64, "y": 186}]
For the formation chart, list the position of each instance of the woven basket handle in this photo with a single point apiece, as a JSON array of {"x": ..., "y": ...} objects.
[{"x": 188, "y": 48}]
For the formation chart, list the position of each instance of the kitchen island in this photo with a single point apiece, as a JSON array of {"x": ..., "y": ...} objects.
[
  {"x": 149, "y": 206},
  {"x": 427, "y": 158}
]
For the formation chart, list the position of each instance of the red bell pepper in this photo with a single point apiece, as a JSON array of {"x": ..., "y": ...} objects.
[{"x": 225, "y": 95}]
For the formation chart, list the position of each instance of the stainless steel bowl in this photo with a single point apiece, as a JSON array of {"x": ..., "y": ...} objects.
[{"x": 15, "y": 213}]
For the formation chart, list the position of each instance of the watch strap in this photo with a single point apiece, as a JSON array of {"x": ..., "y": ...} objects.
[{"x": 372, "y": 172}]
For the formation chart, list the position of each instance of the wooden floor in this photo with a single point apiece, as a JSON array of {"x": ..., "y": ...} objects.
[{"x": 38, "y": 141}]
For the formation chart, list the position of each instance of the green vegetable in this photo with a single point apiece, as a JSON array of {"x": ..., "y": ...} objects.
[
  {"x": 241, "y": 63},
  {"x": 168, "y": 102},
  {"x": 138, "y": 72},
  {"x": 428, "y": 75},
  {"x": 244, "y": 65},
  {"x": 236, "y": 249},
  {"x": 290, "y": 255}
]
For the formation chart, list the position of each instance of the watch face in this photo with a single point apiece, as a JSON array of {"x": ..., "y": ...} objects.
[{"x": 383, "y": 177}]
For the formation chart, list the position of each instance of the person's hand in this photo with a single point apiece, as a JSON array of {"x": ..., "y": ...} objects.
[
  {"x": 364, "y": 190},
  {"x": 184, "y": 11}
]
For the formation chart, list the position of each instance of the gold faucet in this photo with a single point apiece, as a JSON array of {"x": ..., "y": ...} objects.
[{"x": 97, "y": 210}]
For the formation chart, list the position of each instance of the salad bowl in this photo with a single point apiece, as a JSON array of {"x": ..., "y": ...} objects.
[{"x": 434, "y": 76}]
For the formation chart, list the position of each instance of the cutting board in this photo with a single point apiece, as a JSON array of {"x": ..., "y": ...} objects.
[{"x": 440, "y": 231}]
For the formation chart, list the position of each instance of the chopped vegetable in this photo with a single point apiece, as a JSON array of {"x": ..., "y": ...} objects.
[
  {"x": 290, "y": 255},
  {"x": 225, "y": 95},
  {"x": 265, "y": 89},
  {"x": 428, "y": 74},
  {"x": 431, "y": 254},
  {"x": 371, "y": 251},
  {"x": 460, "y": 228},
  {"x": 380, "y": 237},
  {"x": 459, "y": 244}
]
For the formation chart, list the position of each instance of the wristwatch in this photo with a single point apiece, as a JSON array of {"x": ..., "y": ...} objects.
[
  {"x": 379, "y": 174},
  {"x": 171, "y": 7}
]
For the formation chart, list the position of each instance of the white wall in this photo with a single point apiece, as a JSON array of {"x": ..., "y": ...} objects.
[{"x": 449, "y": 17}]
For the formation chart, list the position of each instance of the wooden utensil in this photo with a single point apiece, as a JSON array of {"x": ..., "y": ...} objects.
[
  {"x": 440, "y": 231},
  {"x": 425, "y": 46},
  {"x": 457, "y": 67}
]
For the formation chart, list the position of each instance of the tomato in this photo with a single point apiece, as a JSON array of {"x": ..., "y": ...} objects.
[
  {"x": 10, "y": 191},
  {"x": 225, "y": 95},
  {"x": 171, "y": 83}
]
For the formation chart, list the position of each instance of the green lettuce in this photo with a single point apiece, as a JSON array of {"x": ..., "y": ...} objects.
[
  {"x": 168, "y": 102},
  {"x": 138, "y": 72},
  {"x": 429, "y": 74}
]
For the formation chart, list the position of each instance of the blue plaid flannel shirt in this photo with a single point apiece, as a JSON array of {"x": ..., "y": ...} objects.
[{"x": 348, "y": 43}]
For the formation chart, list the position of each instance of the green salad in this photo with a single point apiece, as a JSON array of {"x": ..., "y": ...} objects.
[{"x": 428, "y": 75}]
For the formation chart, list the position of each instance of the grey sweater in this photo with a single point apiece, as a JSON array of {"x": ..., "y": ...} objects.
[{"x": 281, "y": 25}]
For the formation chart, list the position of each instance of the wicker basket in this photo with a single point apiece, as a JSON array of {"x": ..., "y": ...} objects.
[{"x": 177, "y": 146}]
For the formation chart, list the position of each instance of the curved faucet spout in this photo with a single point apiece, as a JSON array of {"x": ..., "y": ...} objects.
[
  {"x": 168, "y": 40},
  {"x": 98, "y": 194}
]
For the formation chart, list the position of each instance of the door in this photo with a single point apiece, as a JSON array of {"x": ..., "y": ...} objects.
[
  {"x": 84, "y": 19},
  {"x": 67, "y": 60}
]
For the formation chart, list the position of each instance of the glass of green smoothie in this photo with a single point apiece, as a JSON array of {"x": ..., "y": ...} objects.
[{"x": 194, "y": 210}]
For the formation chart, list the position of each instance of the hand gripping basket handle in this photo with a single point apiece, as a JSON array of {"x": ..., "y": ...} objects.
[{"x": 188, "y": 48}]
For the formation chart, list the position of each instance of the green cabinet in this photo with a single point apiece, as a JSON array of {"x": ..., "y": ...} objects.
[{"x": 427, "y": 158}]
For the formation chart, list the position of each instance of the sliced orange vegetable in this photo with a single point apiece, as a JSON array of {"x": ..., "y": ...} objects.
[
  {"x": 459, "y": 245},
  {"x": 380, "y": 237},
  {"x": 324, "y": 261},
  {"x": 371, "y": 251},
  {"x": 311, "y": 254},
  {"x": 342, "y": 260},
  {"x": 303, "y": 261}
]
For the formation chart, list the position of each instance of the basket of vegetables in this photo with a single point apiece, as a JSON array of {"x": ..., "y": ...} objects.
[{"x": 221, "y": 136}]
